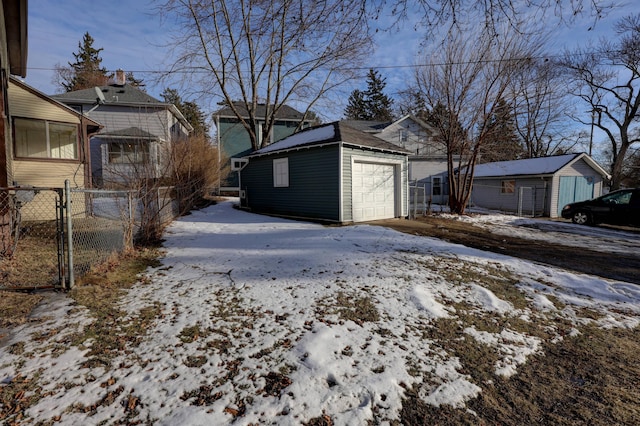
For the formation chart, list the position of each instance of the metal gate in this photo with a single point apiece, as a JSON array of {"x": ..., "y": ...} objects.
[{"x": 32, "y": 238}]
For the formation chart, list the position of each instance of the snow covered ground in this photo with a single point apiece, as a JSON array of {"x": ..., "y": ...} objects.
[{"x": 271, "y": 321}]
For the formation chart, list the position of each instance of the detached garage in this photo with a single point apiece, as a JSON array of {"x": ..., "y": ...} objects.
[
  {"x": 331, "y": 173},
  {"x": 537, "y": 186}
]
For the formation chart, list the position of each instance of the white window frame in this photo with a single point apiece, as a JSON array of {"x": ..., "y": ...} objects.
[
  {"x": 67, "y": 152},
  {"x": 281, "y": 173}
]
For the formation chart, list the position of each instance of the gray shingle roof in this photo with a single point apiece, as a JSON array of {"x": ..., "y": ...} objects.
[
  {"x": 284, "y": 113},
  {"x": 129, "y": 133},
  {"x": 113, "y": 94},
  {"x": 367, "y": 126},
  {"x": 334, "y": 132}
]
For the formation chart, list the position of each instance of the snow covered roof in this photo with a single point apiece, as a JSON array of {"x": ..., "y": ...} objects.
[
  {"x": 336, "y": 132},
  {"x": 534, "y": 166}
]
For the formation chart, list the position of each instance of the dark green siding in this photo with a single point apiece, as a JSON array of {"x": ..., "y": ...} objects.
[
  {"x": 314, "y": 188},
  {"x": 235, "y": 142}
]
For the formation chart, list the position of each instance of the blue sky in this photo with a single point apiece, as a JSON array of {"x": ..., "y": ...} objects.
[{"x": 133, "y": 36}]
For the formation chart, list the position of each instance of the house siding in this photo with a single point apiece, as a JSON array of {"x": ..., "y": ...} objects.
[
  {"x": 234, "y": 141},
  {"x": 46, "y": 172},
  {"x": 26, "y": 104},
  {"x": 535, "y": 193},
  {"x": 149, "y": 119},
  {"x": 313, "y": 190},
  {"x": 348, "y": 154}
]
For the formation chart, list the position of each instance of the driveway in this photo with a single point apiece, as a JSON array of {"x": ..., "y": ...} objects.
[{"x": 608, "y": 252}]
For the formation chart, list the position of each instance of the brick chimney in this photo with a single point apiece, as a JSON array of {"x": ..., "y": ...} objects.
[{"x": 120, "y": 78}]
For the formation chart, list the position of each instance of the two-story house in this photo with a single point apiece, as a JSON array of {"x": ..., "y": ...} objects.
[
  {"x": 428, "y": 158},
  {"x": 233, "y": 139},
  {"x": 137, "y": 135}
]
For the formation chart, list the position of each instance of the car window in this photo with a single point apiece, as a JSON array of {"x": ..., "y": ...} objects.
[{"x": 623, "y": 197}]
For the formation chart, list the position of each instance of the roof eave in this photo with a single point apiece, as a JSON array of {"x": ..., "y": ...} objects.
[{"x": 16, "y": 17}]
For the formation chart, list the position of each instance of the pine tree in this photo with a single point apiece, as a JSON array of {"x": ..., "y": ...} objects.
[
  {"x": 503, "y": 143},
  {"x": 87, "y": 70},
  {"x": 356, "y": 107},
  {"x": 135, "y": 82},
  {"x": 378, "y": 104},
  {"x": 372, "y": 104}
]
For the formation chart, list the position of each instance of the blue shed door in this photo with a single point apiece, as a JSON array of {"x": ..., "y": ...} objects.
[{"x": 573, "y": 189}]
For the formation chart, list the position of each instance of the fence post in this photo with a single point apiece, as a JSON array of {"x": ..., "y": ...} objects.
[{"x": 67, "y": 195}]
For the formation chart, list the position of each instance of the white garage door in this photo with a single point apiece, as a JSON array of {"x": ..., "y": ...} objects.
[{"x": 373, "y": 191}]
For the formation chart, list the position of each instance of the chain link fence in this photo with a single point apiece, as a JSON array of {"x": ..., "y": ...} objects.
[
  {"x": 31, "y": 240},
  {"x": 50, "y": 236}
]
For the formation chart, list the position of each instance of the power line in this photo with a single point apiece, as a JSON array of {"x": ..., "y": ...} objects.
[{"x": 368, "y": 67}]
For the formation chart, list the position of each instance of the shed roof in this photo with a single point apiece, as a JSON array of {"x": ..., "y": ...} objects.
[
  {"x": 534, "y": 166},
  {"x": 129, "y": 133},
  {"x": 336, "y": 132}
]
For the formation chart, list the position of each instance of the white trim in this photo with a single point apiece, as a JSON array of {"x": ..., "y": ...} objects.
[{"x": 341, "y": 184}]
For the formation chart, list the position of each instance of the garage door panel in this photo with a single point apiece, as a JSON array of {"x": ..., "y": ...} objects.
[{"x": 373, "y": 191}]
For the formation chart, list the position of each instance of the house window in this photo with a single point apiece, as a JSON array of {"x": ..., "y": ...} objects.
[
  {"x": 404, "y": 135},
  {"x": 45, "y": 139},
  {"x": 281, "y": 172},
  {"x": 436, "y": 187},
  {"x": 128, "y": 152},
  {"x": 508, "y": 187}
]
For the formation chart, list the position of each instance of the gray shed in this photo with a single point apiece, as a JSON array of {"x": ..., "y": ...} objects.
[
  {"x": 331, "y": 173},
  {"x": 537, "y": 186}
]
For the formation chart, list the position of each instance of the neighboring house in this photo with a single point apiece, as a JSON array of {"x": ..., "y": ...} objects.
[
  {"x": 13, "y": 60},
  {"x": 51, "y": 140},
  {"x": 537, "y": 186},
  {"x": 331, "y": 173},
  {"x": 137, "y": 136},
  {"x": 233, "y": 139},
  {"x": 427, "y": 158}
]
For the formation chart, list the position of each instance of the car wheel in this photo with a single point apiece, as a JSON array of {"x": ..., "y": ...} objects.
[{"x": 581, "y": 218}]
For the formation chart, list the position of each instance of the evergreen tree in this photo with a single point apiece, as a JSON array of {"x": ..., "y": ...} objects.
[
  {"x": 356, "y": 106},
  {"x": 372, "y": 104},
  {"x": 135, "y": 82},
  {"x": 86, "y": 71},
  {"x": 190, "y": 110},
  {"x": 503, "y": 143}
]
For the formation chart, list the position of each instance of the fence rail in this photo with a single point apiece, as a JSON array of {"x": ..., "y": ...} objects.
[{"x": 50, "y": 236}]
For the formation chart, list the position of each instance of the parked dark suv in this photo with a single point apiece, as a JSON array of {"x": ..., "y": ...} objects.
[{"x": 620, "y": 207}]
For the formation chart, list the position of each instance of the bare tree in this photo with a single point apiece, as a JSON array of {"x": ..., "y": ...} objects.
[
  {"x": 495, "y": 14},
  {"x": 607, "y": 79},
  {"x": 539, "y": 99},
  {"x": 268, "y": 52},
  {"x": 465, "y": 79}
]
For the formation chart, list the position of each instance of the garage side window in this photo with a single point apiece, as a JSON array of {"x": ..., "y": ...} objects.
[
  {"x": 281, "y": 172},
  {"x": 508, "y": 187}
]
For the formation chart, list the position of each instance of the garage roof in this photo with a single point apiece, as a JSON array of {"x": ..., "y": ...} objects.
[
  {"x": 534, "y": 166},
  {"x": 331, "y": 133}
]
